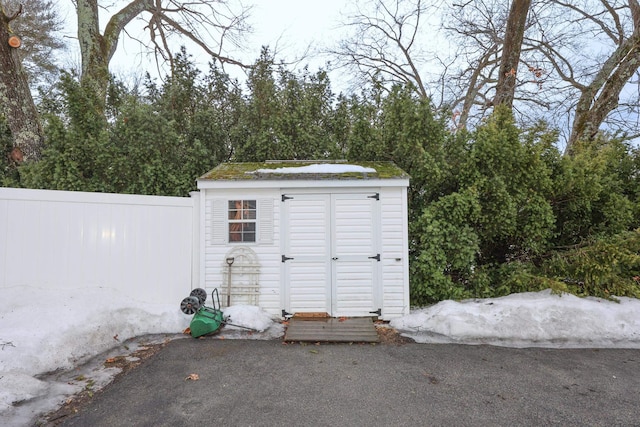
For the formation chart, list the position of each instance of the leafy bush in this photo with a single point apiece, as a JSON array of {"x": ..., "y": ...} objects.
[
  {"x": 512, "y": 277},
  {"x": 607, "y": 267},
  {"x": 444, "y": 248}
]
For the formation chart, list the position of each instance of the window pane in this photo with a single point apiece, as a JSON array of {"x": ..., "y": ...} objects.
[
  {"x": 249, "y": 226},
  {"x": 249, "y": 209},
  {"x": 249, "y": 237},
  {"x": 235, "y": 209}
]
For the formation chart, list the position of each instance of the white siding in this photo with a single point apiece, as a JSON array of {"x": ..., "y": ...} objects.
[
  {"x": 216, "y": 247},
  {"x": 395, "y": 262},
  {"x": 391, "y": 273},
  {"x": 145, "y": 246},
  {"x": 140, "y": 245}
]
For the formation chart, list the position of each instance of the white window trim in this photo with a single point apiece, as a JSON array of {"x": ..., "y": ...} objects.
[{"x": 219, "y": 228}]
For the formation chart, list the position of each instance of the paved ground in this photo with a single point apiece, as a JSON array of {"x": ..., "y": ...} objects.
[{"x": 266, "y": 383}]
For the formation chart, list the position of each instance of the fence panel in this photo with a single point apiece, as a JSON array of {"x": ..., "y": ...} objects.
[{"x": 141, "y": 245}]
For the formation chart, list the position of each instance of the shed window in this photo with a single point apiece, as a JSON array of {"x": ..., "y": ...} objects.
[{"x": 242, "y": 220}]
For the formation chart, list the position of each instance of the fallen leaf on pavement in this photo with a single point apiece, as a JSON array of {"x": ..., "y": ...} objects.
[{"x": 193, "y": 377}]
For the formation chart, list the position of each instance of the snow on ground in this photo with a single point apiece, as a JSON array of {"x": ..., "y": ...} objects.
[
  {"x": 53, "y": 343},
  {"x": 533, "y": 319}
]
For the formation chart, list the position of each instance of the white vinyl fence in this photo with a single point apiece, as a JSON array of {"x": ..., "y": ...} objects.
[{"x": 143, "y": 246}]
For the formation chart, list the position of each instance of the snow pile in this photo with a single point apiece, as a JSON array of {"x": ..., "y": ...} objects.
[
  {"x": 58, "y": 330},
  {"x": 247, "y": 316},
  {"x": 539, "y": 319},
  {"x": 319, "y": 168}
]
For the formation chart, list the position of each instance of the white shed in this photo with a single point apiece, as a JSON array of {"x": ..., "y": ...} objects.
[{"x": 307, "y": 237}]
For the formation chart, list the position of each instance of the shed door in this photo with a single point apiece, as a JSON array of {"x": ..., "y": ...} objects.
[
  {"x": 307, "y": 253},
  {"x": 332, "y": 241}
]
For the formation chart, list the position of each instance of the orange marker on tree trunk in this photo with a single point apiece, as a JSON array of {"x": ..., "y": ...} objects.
[{"x": 15, "y": 42}]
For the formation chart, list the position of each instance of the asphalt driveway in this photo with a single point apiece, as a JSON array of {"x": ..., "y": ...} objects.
[{"x": 267, "y": 383}]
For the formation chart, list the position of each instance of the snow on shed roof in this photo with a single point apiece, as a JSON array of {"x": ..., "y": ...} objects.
[
  {"x": 305, "y": 170},
  {"x": 319, "y": 168}
]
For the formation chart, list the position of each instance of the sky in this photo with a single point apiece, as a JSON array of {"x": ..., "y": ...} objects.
[
  {"x": 73, "y": 332},
  {"x": 294, "y": 24}
]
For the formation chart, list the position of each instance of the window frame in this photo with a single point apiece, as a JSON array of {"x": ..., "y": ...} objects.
[{"x": 242, "y": 221}]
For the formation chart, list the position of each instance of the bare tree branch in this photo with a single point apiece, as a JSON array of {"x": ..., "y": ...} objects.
[
  {"x": 384, "y": 42},
  {"x": 205, "y": 23}
]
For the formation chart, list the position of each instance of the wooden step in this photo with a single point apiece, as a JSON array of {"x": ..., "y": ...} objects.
[{"x": 353, "y": 329}]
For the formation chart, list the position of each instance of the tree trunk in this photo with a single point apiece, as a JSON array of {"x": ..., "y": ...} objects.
[
  {"x": 16, "y": 102},
  {"x": 601, "y": 96},
  {"x": 511, "y": 48},
  {"x": 97, "y": 49}
]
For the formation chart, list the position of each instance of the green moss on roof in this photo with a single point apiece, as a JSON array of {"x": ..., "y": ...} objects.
[{"x": 247, "y": 171}]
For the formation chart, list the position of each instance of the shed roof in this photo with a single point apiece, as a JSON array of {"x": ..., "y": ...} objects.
[{"x": 278, "y": 170}]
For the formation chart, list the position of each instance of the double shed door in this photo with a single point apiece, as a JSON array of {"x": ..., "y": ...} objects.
[{"x": 331, "y": 253}]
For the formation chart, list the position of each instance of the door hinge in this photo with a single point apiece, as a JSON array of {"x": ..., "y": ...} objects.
[
  {"x": 378, "y": 312},
  {"x": 375, "y": 196},
  {"x": 285, "y": 197},
  {"x": 376, "y": 257},
  {"x": 285, "y": 258}
]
